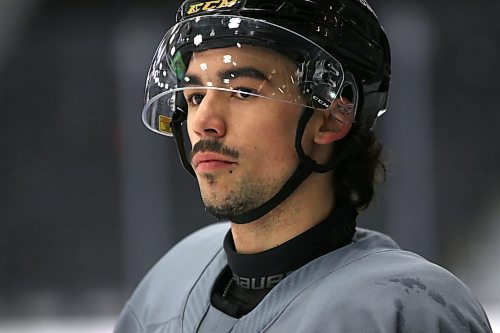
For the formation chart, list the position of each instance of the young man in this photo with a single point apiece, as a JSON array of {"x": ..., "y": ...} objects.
[{"x": 277, "y": 99}]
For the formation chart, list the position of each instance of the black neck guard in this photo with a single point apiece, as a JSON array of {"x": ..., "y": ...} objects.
[
  {"x": 261, "y": 269},
  {"x": 249, "y": 278}
]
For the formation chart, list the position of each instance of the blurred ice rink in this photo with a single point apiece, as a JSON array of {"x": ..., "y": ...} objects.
[{"x": 493, "y": 311}]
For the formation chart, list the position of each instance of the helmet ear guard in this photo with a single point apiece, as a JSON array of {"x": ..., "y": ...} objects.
[
  {"x": 347, "y": 100},
  {"x": 319, "y": 80},
  {"x": 324, "y": 85},
  {"x": 324, "y": 93},
  {"x": 346, "y": 105}
]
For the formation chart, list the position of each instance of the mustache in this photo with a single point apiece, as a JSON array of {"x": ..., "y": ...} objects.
[{"x": 214, "y": 146}]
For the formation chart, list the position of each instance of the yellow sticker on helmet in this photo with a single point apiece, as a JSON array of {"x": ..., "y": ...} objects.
[
  {"x": 164, "y": 124},
  {"x": 206, "y": 6}
]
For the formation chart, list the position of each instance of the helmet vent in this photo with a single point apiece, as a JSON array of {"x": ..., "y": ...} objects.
[{"x": 347, "y": 92}]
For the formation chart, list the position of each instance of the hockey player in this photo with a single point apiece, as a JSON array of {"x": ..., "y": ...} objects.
[{"x": 272, "y": 105}]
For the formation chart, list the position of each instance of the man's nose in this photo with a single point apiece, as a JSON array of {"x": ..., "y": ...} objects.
[{"x": 208, "y": 120}]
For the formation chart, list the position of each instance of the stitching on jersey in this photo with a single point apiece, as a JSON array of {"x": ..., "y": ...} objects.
[
  {"x": 164, "y": 323},
  {"x": 197, "y": 281},
  {"x": 134, "y": 316}
]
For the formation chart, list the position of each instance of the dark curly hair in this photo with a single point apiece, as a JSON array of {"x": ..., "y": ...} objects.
[{"x": 355, "y": 177}]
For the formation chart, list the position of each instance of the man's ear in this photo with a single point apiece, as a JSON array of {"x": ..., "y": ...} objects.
[{"x": 336, "y": 123}]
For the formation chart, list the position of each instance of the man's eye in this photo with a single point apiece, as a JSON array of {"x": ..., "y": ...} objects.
[
  {"x": 244, "y": 93},
  {"x": 195, "y": 99}
]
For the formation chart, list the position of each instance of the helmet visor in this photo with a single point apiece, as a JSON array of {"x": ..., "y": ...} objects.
[{"x": 239, "y": 58}]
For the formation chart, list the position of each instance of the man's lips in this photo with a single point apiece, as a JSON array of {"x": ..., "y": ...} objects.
[{"x": 210, "y": 160}]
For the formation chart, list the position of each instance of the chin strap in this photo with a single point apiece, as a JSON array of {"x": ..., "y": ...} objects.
[
  {"x": 305, "y": 168},
  {"x": 178, "y": 118}
]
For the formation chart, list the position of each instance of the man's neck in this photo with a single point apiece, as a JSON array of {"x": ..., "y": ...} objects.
[{"x": 306, "y": 207}]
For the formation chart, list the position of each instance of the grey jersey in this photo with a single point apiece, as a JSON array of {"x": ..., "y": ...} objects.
[{"x": 370, "y": 285}]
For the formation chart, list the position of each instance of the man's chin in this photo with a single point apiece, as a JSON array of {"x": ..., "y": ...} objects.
[
  {"x": 221, "y": 213},
  {"x": 227, "y": 211}
]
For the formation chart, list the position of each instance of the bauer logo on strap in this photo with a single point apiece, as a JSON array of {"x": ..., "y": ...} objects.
[{"x": 196, "y": 7}]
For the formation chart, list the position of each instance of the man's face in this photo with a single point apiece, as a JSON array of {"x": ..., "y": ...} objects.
[{"x": 243, "y": 145}]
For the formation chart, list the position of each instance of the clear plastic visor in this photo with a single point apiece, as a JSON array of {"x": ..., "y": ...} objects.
[{"x": 242, "y": 63}]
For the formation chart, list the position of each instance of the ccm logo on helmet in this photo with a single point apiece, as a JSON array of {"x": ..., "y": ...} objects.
[
  {"x": 320, "y": 101},
  {"x": 210, "y": 5}
]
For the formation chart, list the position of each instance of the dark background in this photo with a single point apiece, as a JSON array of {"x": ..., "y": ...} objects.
[{"x": 90, "y": 199}]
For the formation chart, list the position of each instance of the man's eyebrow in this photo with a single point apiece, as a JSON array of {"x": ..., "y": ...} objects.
[
  {"x": 234, "y": 73},
  {"x": 248, "y": 71}
]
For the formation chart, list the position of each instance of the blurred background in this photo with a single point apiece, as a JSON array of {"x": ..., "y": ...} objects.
[{"x": 90, "y": 199}]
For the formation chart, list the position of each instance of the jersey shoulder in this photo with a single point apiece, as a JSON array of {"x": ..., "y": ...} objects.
[
  {"x": 161, "y": 295},
  {"x": 386, "y": 289}
]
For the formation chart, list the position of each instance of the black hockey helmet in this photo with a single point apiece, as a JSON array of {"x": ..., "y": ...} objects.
[{"x": 338, "y": 46}]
